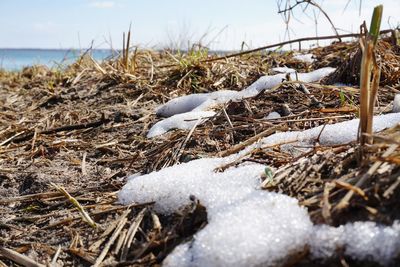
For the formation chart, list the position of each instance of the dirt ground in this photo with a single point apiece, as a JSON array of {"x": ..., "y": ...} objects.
[{"x": 84, "y": 129}]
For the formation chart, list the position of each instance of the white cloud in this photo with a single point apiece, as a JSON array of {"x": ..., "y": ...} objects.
[{"x": 102, "y": 4}]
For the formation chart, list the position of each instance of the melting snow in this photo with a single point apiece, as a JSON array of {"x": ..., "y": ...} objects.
[
  {"x": 308, "y": 58},
  {"x": 262, "y": 230},
  {"x": 196, "y": 102},
  {"x": 185, "y": 121},
  {"x": 273, "y": 115},
  {"x": 331, "y": 134},
  {"x": 203, "y": 102},
  {"x": 231, "y": 197},
  {"x": 360, "y": 240},
  {"x": 396, "y": 103},
  {"x": 250, "y": 227},
  {"x": 283, "y": 70}
]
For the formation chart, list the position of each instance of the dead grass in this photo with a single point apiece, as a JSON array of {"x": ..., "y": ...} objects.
[{"x": 84, "y": 129}]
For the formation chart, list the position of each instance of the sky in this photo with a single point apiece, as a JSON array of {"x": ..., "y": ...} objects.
[{"x": 218, "y": 24}]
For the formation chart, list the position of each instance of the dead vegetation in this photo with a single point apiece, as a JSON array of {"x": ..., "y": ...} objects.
[{"x": 83, "y": 129}]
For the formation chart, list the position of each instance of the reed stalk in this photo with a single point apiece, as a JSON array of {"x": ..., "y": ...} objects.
[
  {"x": 369, "y": 76},
  {"x": 128, "y": 65}
]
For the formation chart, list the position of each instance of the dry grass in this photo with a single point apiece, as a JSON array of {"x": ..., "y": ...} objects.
[{"x": 84, "y": 129}]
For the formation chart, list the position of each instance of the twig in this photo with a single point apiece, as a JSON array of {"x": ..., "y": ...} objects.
[
  {"x": 97, "y": 66},
  {"x": 314, "y": 100},
  {"x": 121, "y": 224},
  {"x": 388, "y": 192},
  {"x": 8, "y": 140},
  {"x": 120, "y": 242},
  {"x": 345, "y": 200},
  {"x": 54, "y": 260},
  {"x": 29, "y": 197},
  {"x": 131, "y": 234},
  {"x": 229, "y": 122},
  {"x": 19, "y": 258},
  {"x": 56, "y": 130},
  {"x": 326, "y": 206},
  {"x": 351, "y": 188},
  {"x": 44, "y": 195},
  {"x": 310, "y": 2},
  {"x": 242, "y": 157},
  {"x": 83, "y": 164},
  {"x": 85, "y": 255},
  {"x": 179, "y": 152},
  {"x": 276, "y": 45},
  {"x": 320, "y": 133},
  {"x": 310, "y": 119},
  {"x": 250, "y": 141},
  {"x": 93, "y": 247},
  {"x": 94, "y": 214}
]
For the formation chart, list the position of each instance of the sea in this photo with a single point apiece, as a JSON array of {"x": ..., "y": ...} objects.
[{"x": 12, "y": 59}]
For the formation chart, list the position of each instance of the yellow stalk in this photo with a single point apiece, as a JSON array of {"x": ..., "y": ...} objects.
[
  {"x": 369, "y": 70},
  {"x": 75, "y": 202}
]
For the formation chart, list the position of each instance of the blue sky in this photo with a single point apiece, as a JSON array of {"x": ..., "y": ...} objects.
[{"x": 156, "y": 23}]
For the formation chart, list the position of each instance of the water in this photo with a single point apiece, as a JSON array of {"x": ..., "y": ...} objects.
[{"x": 16, "y": 59}]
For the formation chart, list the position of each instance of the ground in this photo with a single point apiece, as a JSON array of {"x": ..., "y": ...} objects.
[{"x": 84, "y": 128}]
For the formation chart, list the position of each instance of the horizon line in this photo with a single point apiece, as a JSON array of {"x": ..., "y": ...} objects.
[
  {"x": 108, "y": 49},
  {"x": 52, "y": 48}
]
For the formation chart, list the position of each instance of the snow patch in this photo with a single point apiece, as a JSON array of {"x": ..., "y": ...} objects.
[
  {"x": 263, "y": 229},
  {"x": 277, "y": 224},
  {"x": 313, "y": 76},
  {"x": 273, "y": 115},
  {"x": 283, "y": 70},
  {"x": 307, "y": 58},
  {"x": 250, "y": 227},
  {"x": 360, "y": 240},
  {"x": 195, "y": 102},
  {"x": 204, "y": 102},
  {"x": 396, "y": 103},
  {"x": 185, "y": 121},
  {"x": 331, "y": 134},
  {"x": 196, "y": 178}
]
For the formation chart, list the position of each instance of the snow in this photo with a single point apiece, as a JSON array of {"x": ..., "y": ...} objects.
[
  {"x": 313, "y": 76},
  {"x": 181, "y": 121},
  {"x": 263, "y": 229},
  {"x": 195, "y": 102},
  {"x": 250, "y": 227},
  {"x": 201, "y": 181},
  {"x": 206, "y": 101},
  {"x": 332, "y": 134},
  {"x": 308, "y": 58},
  {"x": 278, "y": 225},
  {"x": 396, "y": 103},
  {"x": 283, "y": 70},
  {"x": 360, "y": 240},
  {"x": 273, "y": 115}
]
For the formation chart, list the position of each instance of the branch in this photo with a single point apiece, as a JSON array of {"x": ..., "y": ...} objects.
[
  {"x": 311, "y": 2},
  {"x": 276, "y": 45}
]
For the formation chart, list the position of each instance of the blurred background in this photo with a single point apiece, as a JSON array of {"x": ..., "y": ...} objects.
[{"x": 49, "y": 32}]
